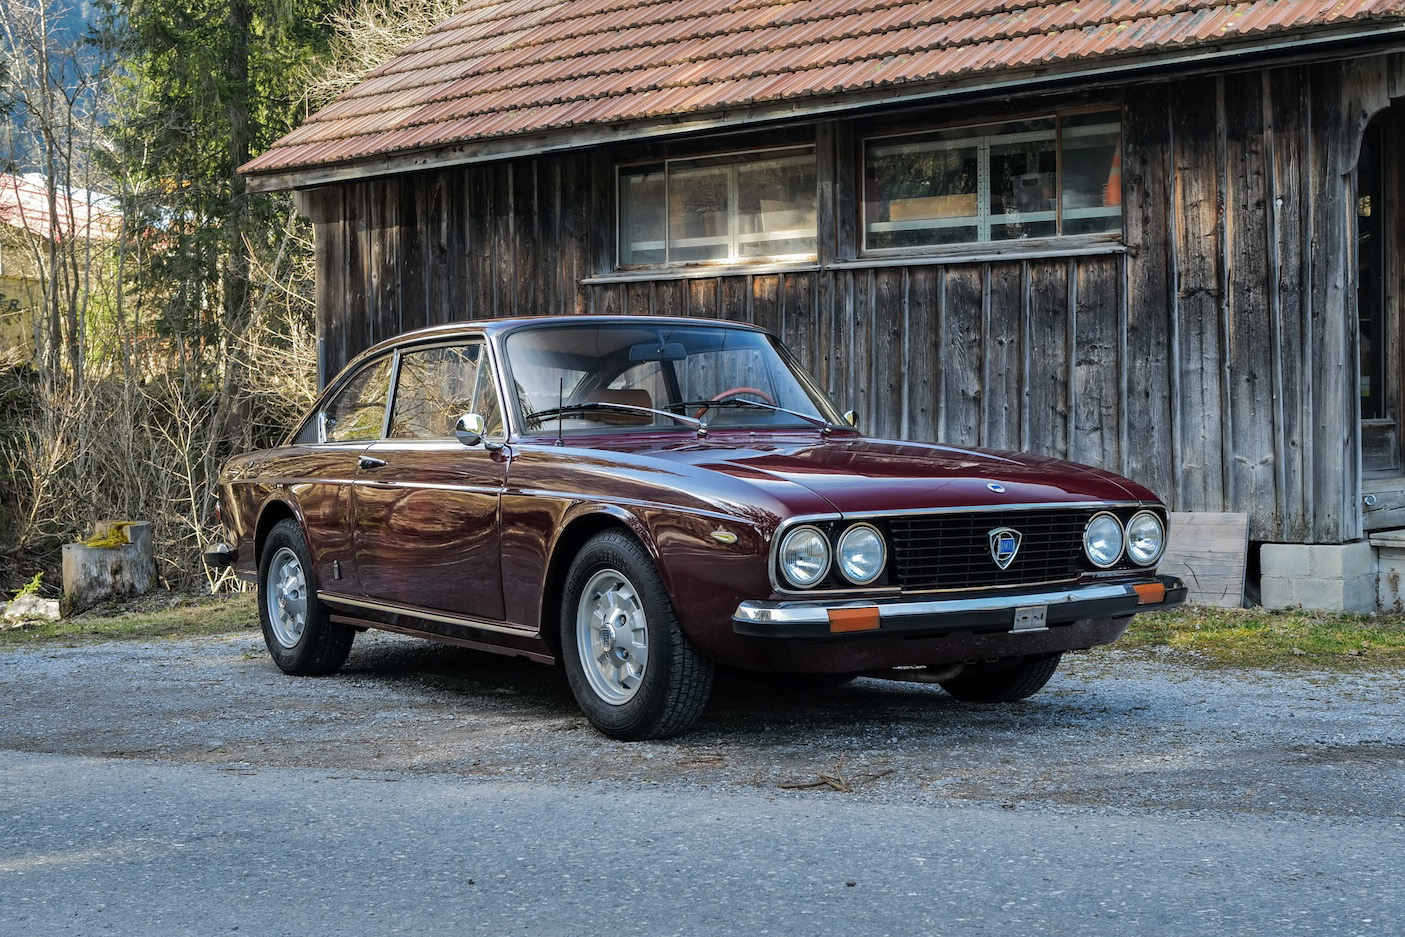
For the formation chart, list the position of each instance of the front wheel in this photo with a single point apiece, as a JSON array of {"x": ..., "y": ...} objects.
[
  {"x": 1006, "y": 685},
  {"x": 301, "y": 637},
  {"x": 633, "y": 672}
]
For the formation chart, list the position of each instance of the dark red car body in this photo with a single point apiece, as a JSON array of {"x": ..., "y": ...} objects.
[{"x": 471, "y": 544}]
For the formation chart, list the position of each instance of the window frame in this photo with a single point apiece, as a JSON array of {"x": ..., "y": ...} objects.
[
  {"x": 737, "y": 161},
  {"x": 983, "y": 221}
]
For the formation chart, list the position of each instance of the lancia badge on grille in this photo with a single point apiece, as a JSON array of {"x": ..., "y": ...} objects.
[{"x": 1004, "y": 544}]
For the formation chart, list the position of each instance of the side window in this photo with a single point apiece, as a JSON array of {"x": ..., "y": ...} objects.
[
  {"x": 439, "y": 385},
  {"x": 358, "y": 412}
]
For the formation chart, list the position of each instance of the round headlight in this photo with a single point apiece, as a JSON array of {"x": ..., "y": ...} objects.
[
  {"x": 804, "y": 556},
  {"x": 1146, "y": 538},
  {"x": 1102, "y": 540},
  {"x": 861, "y": 554}
]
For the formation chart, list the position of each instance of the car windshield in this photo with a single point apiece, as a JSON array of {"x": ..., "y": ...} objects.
[{"x": 613, "y": 376}]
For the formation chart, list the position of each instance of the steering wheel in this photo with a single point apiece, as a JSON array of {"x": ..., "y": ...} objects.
[{"x": 737, "y": 392}]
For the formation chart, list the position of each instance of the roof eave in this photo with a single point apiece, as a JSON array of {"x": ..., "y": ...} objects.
[{"x": 1219, "y": 56}]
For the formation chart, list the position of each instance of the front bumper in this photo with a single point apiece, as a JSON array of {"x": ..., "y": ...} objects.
[{"x": 1020, "y": 612}]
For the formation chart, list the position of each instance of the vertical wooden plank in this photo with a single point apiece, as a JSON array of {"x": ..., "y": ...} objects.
[
  {"x": 360, "y": 302},
  {"x": 330, "y": 246},
  {"x": 411, "y": 270},
  {"x": 1195, "y": 208},
  {"x": 1004, "y": 356},
  {"x": 734, "y": 299},
  {"x": 505, "y": 271},
  {"x": 846, "y": 191},
  {"x": 962, "y": 355},
  {"x": 923, "y": 379},
  {"x": 887, "y": 370},
  {"x": 1254, "y": 443},
  {"x": 638, "y": 298},
  {"x": 798, "y": 320},
  {"x": 766, "y": 301},
  {"x": 1096, "y": 399},
  {"x": 1332, "y": 329},
  {"x": 1146, "y": 171},
  {"x": 481, "y": 205},
  {"x": 577, "y": 232},
  {"x": 670, "y": 297},
  {"x": 1288, "y": 135},
  {"x": 849, "y": 371},
  {"x": 533, "y": 224},
  {"x": 1050, "y": 318}
]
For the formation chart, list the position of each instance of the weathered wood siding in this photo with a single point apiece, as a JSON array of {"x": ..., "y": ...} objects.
[{"x": 1213, "y": 359}]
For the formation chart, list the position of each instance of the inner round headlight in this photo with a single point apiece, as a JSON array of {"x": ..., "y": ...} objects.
[
  {"x": 1146, "y": 538},
  {"x": 804, "y": 556},
  {"x": 1102, "y": 540},
  {"x": 861, "y": 554}
]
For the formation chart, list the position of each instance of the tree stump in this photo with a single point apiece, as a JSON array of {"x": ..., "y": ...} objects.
[{"x": 115, "y": 563}]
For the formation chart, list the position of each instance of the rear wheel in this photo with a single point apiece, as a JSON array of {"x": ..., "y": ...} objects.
[
  {"x": 633, "y": 672},
  {"x": 1006, "y": 685},
  {"x": 301, "y": 637}
]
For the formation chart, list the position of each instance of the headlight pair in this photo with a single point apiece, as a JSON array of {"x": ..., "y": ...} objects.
[
  {"x": 806, "y": 556},
  {"x": 1142, "y": 539}
]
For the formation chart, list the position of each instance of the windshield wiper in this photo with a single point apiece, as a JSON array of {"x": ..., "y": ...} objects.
[
  {"x": 825, "y": 426},
  {"x": 589, "y": 406}
]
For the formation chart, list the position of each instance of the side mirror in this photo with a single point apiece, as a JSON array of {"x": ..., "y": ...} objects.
[
  {"x": 469, "y": 429},
  {"x": 852, "y": 418}
]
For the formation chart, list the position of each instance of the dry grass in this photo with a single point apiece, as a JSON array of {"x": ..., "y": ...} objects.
[
  {"x": 1287, "y": 639},
  {"x": 155, "y": 615}
]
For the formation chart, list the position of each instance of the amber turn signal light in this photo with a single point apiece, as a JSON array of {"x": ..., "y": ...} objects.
[
  {"x": 1150, "y": 593},
  {"x": 844, "y": 620}
]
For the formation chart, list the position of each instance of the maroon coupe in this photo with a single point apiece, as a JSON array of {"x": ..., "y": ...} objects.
[{"x": 644, "y": 499}]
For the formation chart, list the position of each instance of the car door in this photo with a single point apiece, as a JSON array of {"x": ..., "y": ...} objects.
[
  {"x": 427, "y": 505},
  {"x": 326, "y": 466}
]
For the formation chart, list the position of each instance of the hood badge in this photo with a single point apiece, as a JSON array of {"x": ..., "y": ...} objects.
[
  {"x": 994, "y": 487},
  {"x": 1004, "y": 544}
]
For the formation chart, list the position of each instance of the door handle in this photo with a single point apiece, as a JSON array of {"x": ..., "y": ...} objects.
[{"x": 370, "y": 462}]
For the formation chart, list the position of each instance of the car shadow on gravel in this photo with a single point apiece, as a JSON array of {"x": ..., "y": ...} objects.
[{"x": 742, "y": 705}]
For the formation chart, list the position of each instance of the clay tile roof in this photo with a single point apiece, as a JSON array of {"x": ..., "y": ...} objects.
[{"x": 500, "y": 69}]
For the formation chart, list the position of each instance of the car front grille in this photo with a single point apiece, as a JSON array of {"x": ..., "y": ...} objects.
[{"x": 952, "y": 551}]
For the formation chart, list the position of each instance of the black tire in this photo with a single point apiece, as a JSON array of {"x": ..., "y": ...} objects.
[
  {"x": 614, "y": 599},
  {"x": 301, "y": 637},
  {"x": 1006, "y": 685}
]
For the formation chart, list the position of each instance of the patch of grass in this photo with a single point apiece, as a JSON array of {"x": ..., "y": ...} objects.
[
  {"x": 155, "y": 615},
  {"x": 1255, "y": 638}
]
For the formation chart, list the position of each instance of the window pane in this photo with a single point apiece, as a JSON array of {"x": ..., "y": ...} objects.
[
  {"x": 358, "y": 412},
  {"x": 743, "y": 206},
  {"x": 1023, "y": 176},
  {"x": 1092, "y": 173},
  {"x": 439, "y": 385},
  {"x": 642, "y": 215},
  {"x": 698, "y": 213},
  {"x": 922, "y": 190},
  {"x": 776, "y": 207}
]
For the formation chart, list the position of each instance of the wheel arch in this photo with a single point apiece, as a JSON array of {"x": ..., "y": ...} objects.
[
  {"x": 272, "y": 512},
  {"x": 574, "y": 535}
]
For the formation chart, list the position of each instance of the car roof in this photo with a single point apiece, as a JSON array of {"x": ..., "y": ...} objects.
[{"x": 496, "y": 327}]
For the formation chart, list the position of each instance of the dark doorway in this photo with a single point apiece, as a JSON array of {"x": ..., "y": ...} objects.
[{"x": 1379, "y": 343}]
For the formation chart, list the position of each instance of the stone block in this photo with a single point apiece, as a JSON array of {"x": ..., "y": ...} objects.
[
  {"x": 32, "y": 608},
  {"x": 1321, "y": 577}
]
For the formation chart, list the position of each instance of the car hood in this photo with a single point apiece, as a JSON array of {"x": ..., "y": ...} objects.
[{"x": 856, "y": 474}]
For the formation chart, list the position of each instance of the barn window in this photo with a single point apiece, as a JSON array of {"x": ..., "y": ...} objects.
[
  {"x": 736, "y": 208},
  {"x": 1046, "y": 177}
]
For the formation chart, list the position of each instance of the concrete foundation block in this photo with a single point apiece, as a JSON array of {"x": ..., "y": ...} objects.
[
  {"x": 116, "y": 563},
  {"x": 1321, "y": 577}
]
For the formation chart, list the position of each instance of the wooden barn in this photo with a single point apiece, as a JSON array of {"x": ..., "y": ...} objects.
[{"x": 1161, "y": 236}]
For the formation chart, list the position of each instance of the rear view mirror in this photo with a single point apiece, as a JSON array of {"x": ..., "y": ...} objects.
[
  {"x": 852, "y": 418},
  {"x": 658, "y": 351}
]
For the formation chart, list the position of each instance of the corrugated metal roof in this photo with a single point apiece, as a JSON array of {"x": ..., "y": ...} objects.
[{"x": 505, "y": 68}]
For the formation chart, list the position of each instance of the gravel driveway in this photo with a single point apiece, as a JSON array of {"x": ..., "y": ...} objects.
[{"x": 1111, "y": 729}]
